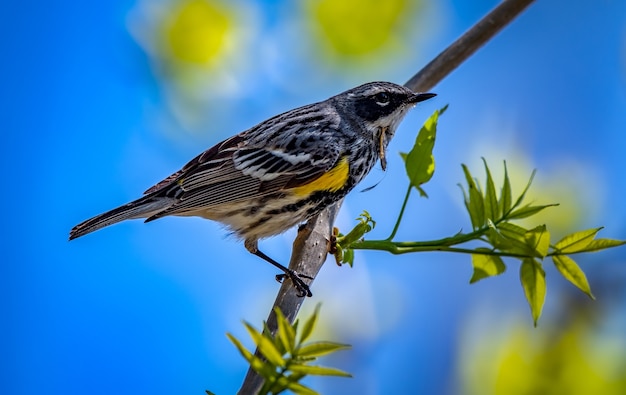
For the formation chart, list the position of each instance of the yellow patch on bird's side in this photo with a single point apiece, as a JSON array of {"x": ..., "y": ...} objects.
[{"x": 331, "y": 181}]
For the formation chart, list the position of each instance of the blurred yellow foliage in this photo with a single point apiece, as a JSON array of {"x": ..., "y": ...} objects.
[
  {"x": 197, "y": 31},
  {"x": 566, "y": 360},
  {"x": 359, "y": 27}
]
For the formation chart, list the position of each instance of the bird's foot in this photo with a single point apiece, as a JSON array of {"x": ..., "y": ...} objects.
[{"x": 296, "y": 279}]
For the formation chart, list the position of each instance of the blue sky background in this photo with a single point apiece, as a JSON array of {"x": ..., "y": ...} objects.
[{"x": 87, "y": 124}]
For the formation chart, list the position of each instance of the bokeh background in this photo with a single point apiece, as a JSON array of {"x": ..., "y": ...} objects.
[{"x": 100, "y": 100}]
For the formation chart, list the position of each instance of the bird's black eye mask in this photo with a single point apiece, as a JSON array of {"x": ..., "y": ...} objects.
[{"x": 372, "y": 108}]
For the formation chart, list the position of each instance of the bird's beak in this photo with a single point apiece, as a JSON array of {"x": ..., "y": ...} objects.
[{"x": 418, "y": 97}]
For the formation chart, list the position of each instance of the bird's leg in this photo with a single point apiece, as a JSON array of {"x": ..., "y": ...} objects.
[{"x": 296, "y": 279}]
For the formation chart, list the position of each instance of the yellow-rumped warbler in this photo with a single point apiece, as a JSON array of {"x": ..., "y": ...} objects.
[{"x": 281, "y": 172}]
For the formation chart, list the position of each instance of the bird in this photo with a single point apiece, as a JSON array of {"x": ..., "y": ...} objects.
[{"x": 281, "y": 172}]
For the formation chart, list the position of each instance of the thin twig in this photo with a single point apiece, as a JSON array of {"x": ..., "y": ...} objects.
[
  {"x": 311, "y": 244},
  {"x": 397, "y": 225}
]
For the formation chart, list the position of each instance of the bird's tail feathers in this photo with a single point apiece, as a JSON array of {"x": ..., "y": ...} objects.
[{"x": 144, "y": 207}]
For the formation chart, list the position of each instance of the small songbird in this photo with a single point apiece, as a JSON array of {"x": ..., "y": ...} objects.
[{"x": 281, "y": 172}]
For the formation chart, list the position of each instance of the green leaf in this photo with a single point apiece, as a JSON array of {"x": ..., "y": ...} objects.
[
  {"x": 366, "y": 224},
  {"x": 486, "y": 265},
  {"x": 422, "y": 192},
  {"x": 539, "y": 240},
  {"x": 307, "y": 329},
  {"x": 514, "y": 239},
  {"x": 294, "y": 377},
  {"x": 318, "y": 349},
  {"x": 344, "y": 253},
  {"x": 533, "y": 280},
  {"x": 242, "y": 350},
  {"x": 572, "y": 273},
  {"x": 520, "y": 199},
  {"x": 420, "y": 162},
  {"x": 466, "y": 201},
  {"x": 576, "y": 241},
  {"x": 286, "y": 334},
  {"x": 474, "y": 204},
  {"x": 318, "y": 370},
  {"x": 528, "y": 210},
  {"x": 282, "y": 383},
  {"x": 512, "y": 231},
  {"x": 505, "y": 194},
  {"x": 300, "y": 389},
  {"x": 295, "y": 325},
  {"x": 465, "y": 196},
  {"x": 265, "y": 346},
  {"x": 338, "y": 254},
  {"x": 259, "y": 366},
  {"x": 275, "y": 385},
  {"x": 348, "y": 257},
  {"x": 497, "y": 240},
  {"x": 491, "y": 201},
  {"x": 263, "y": 368},
  {"x": 602, "y": 244},
  {"x": 267, "y": 333}
]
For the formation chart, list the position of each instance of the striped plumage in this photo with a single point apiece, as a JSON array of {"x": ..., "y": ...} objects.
[{"x": 280, "y": 172}]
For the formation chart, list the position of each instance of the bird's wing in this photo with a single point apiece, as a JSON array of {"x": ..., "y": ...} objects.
[
  {"x": 241, "y": 168},
  {"x": 219, "y": 151}
]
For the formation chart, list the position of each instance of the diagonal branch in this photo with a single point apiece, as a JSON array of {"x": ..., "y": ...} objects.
[
  {"x": 311, "y": 245},
  {"x": 466, "y": 45}
]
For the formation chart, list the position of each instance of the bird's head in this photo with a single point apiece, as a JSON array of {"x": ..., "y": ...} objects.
[{"x": 379, "y": 107}]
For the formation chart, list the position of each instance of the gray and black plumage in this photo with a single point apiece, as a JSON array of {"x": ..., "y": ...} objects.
[{"x": 281, "y": 172}]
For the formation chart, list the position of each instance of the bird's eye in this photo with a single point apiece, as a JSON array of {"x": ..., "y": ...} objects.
[{"x": 382, "y": 98}]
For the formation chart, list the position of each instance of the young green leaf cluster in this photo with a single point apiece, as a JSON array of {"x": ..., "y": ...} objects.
[
  {"x": 284, "y": 359},
  {"x": 492, "y": 211},
  {"x": 491, "y": 217},
  {"x": 366, "y": 224}
]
